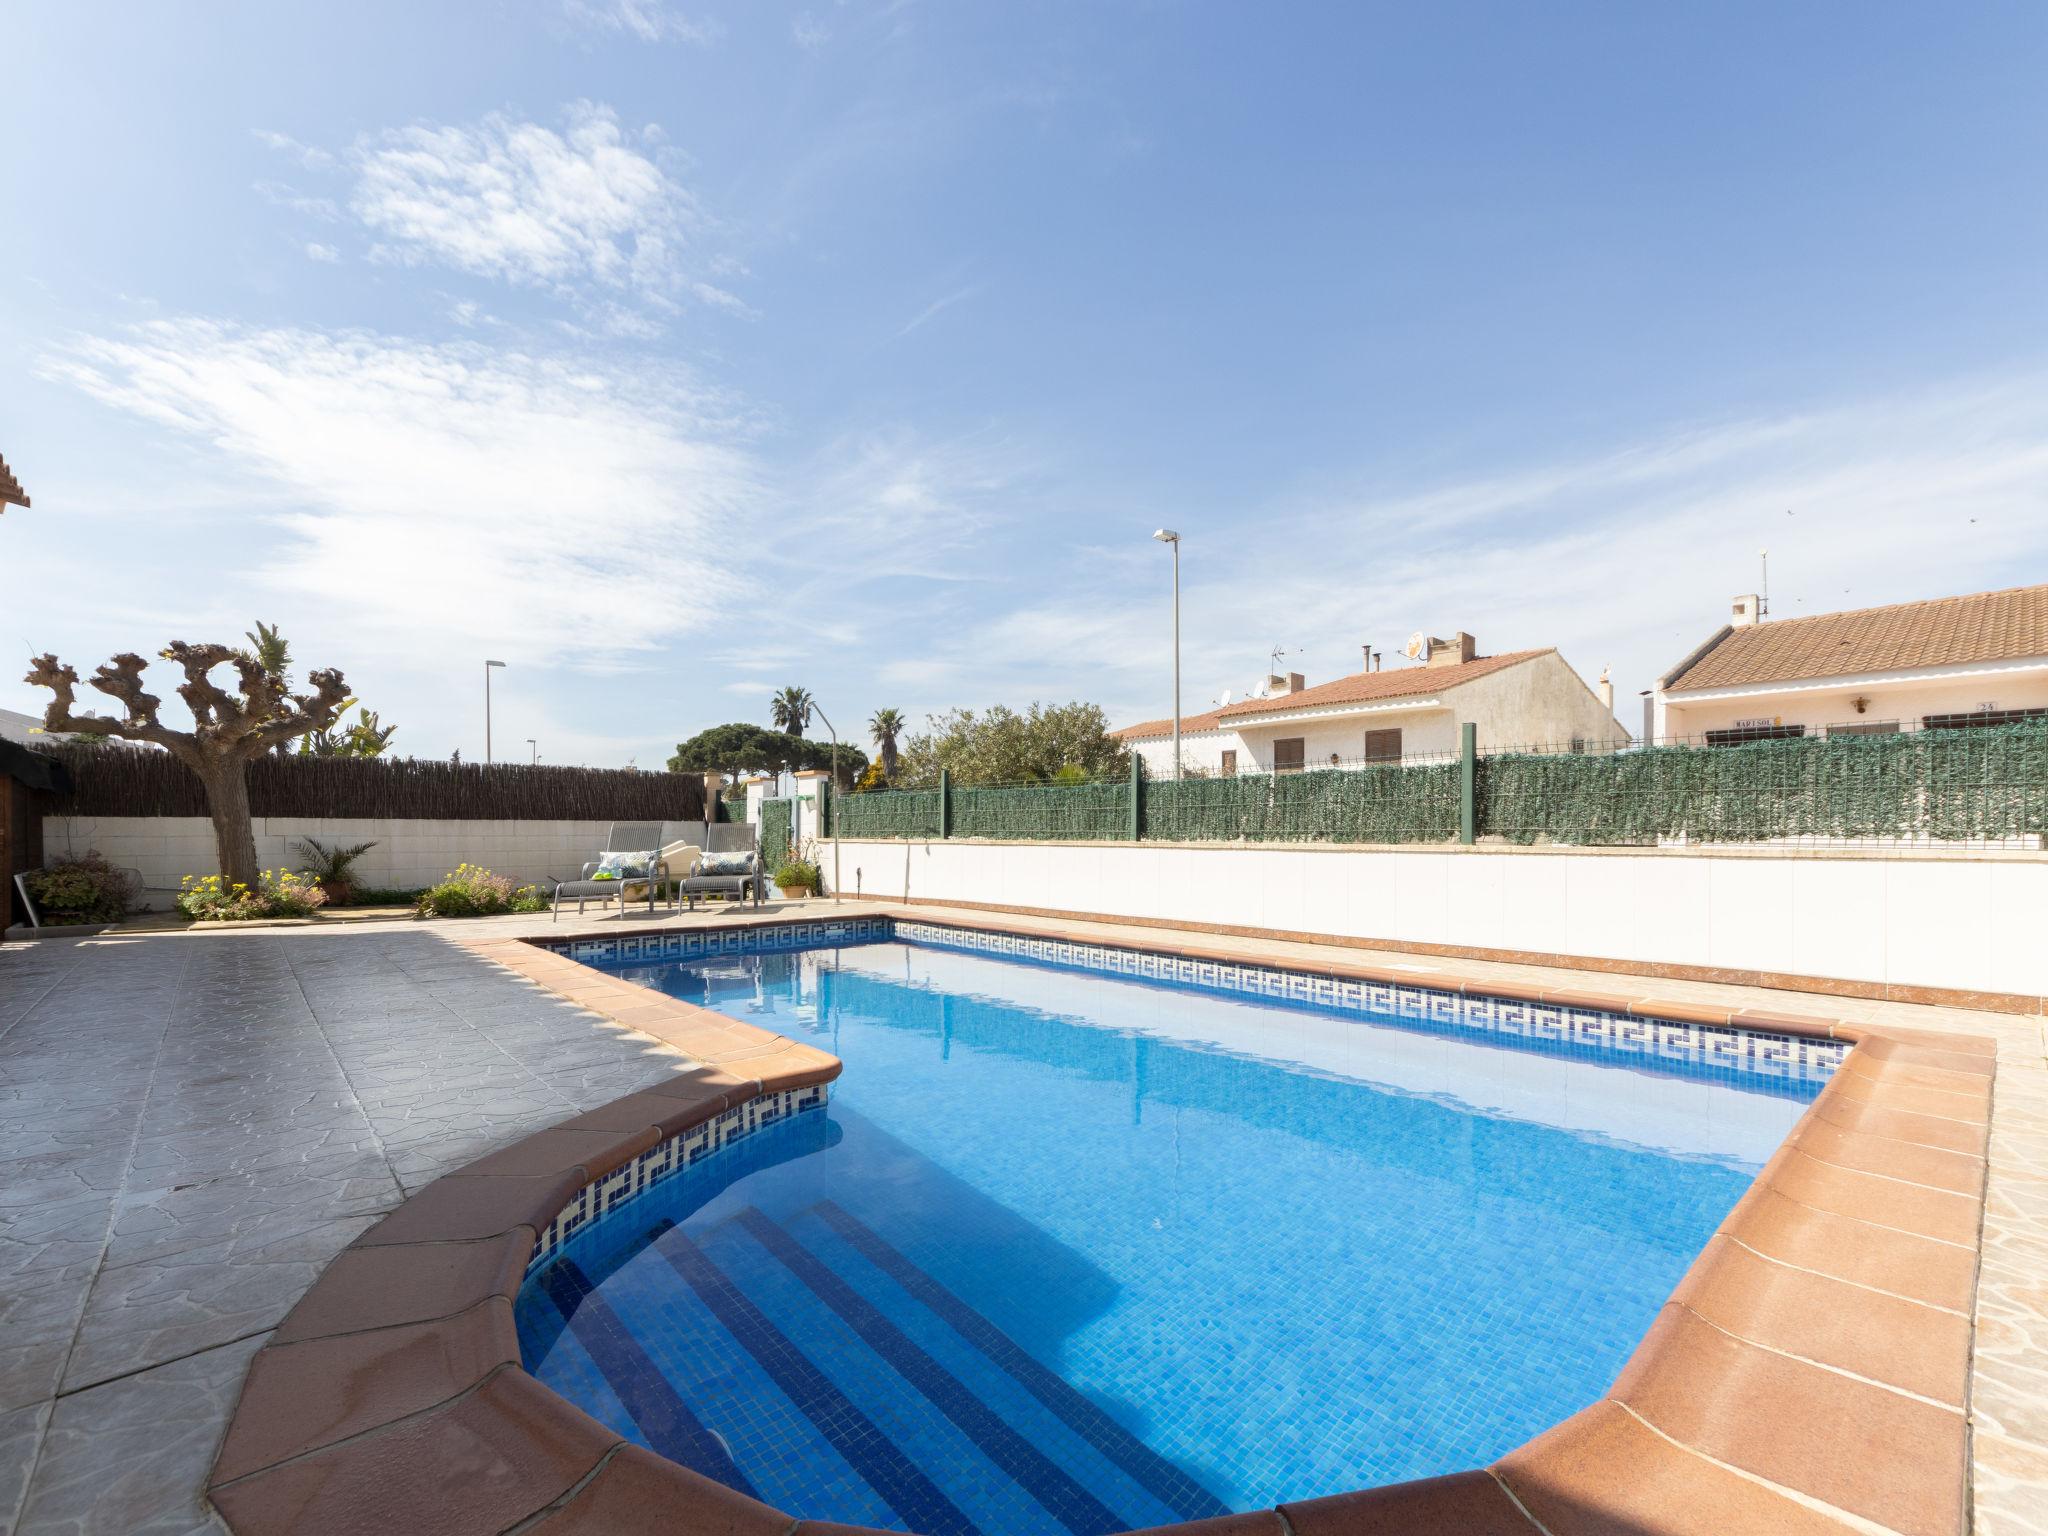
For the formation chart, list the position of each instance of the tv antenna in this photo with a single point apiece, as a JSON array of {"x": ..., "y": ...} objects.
[{"x": 1763, "y": 601}]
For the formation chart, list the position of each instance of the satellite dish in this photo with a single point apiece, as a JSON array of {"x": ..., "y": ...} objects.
[
  {"x": 1417, "y": 648},
  {"x": 1226, "y": 698}
]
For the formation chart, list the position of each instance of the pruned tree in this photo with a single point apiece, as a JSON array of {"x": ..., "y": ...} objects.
[{"x": 227, "y": 731}]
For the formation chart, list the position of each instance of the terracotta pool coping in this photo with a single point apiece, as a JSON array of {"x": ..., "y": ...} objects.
[{"x": 1810, "y": 1373}]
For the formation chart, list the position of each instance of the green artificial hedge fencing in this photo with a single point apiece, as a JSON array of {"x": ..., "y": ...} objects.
[
  {"x": 1971, "y": 785},
  {"x": 1986, "y": 784},
  {"x": 890, "y": 813},
  {"x": 777, "y": 818},
  {"x": 1053, "y": 812},
  {"x": 1379, "y": 804}
]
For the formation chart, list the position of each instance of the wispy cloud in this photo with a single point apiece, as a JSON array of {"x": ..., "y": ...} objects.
[
  {"x": 310, "y": 156},
  {"x": 935, "y": 308},
  {"x": 316, "y": 251},
  {"x": 298, "y": 202},
  {"x": 810, "y": 34},
  {"x": 527, "y": 204},
  {"x": 559, "y": 489},
  {"x": 649, "y": 20},
  {"x": 895, "y": 503}
]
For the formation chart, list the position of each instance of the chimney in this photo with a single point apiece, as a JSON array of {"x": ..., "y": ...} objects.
[
  {"x": 1606, "y": 692},
  {"x": 1279, "y": 687},
  {"x": 1748, "y": 610},
  {"x": 1460, "y": 648}
]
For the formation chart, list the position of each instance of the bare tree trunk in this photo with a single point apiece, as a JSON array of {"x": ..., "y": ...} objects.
[{"x": 234, "y": 836}]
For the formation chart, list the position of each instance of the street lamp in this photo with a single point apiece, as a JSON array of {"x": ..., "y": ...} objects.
[
  {"x": 487, "y": 706},
  {"x": 536, "y": 748},
  {"x": 1168, "y": 536}
]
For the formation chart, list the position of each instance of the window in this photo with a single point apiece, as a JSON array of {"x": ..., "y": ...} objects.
[
  {"x": 1288, "y": 755},
  {"x": 1979, "y": 717},
  {"x": 1737, "y": 735},
  {"x": 1229, "y": 764},
  {"x": 1866, "y": 728},
  {"x": 1383, "y": 746}
]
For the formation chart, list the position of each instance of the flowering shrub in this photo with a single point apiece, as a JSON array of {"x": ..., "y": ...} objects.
[
  {"x": 277, "y": 893},
  {"x": 82, "y": 890},
  {"x": 470, "y": 890}
]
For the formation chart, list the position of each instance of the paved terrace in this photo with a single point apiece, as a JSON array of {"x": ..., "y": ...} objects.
[{"x": 196, "y": 1123}]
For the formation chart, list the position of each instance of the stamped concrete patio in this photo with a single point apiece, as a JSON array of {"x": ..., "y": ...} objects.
[{"x": 196, "y": 1123}]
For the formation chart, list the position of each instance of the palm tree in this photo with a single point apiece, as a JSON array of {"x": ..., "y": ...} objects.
[
  {"x": 273, "y": 653},
  {"x": 885, "y": 727},
  {"x": 791, "y": 710}
]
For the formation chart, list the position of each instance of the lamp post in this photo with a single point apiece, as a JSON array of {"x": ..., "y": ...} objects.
[
  {"x": 487, "y": 706},
  {"x": 833, "y": 791},
  {"x": 536, "y": 748},
  {"x": 1168, "y": 536}
]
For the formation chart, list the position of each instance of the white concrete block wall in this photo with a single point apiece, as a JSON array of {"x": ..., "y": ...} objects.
[
  {"x": 1918, "y": 920},
  {"x": 408, "y": 854}
]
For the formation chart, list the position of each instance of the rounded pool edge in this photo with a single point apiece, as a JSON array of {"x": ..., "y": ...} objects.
[{"x": 393, "y": 1397}]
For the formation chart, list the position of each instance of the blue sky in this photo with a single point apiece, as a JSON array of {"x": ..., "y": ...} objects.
[{"x": 673, "y": 353}]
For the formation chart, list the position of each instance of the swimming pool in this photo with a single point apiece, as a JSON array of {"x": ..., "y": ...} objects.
[{"x": 1091, "y": 1241}]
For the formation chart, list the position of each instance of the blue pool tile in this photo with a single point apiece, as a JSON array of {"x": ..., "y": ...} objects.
[{"x": 914, "y": 1496}]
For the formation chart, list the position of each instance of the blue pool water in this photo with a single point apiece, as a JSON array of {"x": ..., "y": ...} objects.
[{"x": 1072, "y": 1252}]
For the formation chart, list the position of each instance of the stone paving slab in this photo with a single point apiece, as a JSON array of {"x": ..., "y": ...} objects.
[
  {"x": 187, "y": 1119},
  {"x": 191, "y": 1127}
]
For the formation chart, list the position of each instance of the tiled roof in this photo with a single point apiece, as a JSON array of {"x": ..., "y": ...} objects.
[
  {"x": 10, "y": 488},
  {"x": 1188, "y": 725},
  {"x": 1359, "y": 688},
  {"x": 1947, "y": 631},
  {"x": 1366, "y": 687}
]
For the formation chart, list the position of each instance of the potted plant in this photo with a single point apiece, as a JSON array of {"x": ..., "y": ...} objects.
[
  {"x": 797, "y": 879},
  {"x": 332, "y": 867}
]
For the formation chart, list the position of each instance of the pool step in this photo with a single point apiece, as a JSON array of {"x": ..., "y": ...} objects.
[
  {"x": 815, "y": 1354},
  {"x": 1161, "y": 1478},
  {"x": 1074, "y": 1506}
]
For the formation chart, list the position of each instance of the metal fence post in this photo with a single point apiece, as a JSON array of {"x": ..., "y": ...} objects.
[
  {"x": 945, "y": 803},
  {"x": 1468, "y": 766},
  {"x": 1137, "y": 797}
]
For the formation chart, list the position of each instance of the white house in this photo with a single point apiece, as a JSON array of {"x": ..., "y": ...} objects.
[
  {"x": 1517, "y": 699},
  {"x": 1951, "y": 661}
]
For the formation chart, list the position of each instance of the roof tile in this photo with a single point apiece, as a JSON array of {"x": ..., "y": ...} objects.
[
  {"x": 1358, "y": 688},
  {"x": 1941, "y": 632}
]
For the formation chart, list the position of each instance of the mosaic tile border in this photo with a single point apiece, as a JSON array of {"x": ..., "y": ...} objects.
[
  {"x": 1726, "y": 1048},
  {"x": 601, "y": 1196},
  {"x": 1733, "y": 1050},
  {"x": 751, "y": 940}
]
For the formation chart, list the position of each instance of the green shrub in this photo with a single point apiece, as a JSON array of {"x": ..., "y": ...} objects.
[
  {"x": 278, "y": 893},
  {"x": 86, "y": 889},
  {"x": 799, "y": 875},
  {"x": 469, "y": 890}
]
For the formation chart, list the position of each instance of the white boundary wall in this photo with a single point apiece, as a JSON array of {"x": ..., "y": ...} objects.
[
  {"x": 1928, "y": 921},
  {"x": 408, "y": 854}
]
